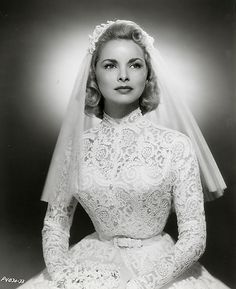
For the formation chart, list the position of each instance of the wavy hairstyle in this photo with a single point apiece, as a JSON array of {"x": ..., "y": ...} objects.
[{"x": 94, "y": 101}]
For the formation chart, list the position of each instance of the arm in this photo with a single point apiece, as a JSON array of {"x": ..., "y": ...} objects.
[
  {"x": 55, "y": 235},
  {"x": 58, "y": 220},
  {"x": 188, "y": 203}
]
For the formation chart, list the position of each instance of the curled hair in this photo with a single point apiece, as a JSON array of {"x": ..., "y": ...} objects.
[{"x": 94, "y": 101}]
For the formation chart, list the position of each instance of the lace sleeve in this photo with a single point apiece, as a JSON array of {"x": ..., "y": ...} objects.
[
  {"x": 58, "y": 219},
  {"x": 55, "y": 234},
  {"x": 188, "y": 203}
]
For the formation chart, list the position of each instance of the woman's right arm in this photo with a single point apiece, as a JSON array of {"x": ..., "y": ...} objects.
[{"x": 55, "y": 235}]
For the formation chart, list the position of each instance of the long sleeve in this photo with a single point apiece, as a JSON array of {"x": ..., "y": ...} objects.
[
  {"x": 55, "y": 234},
  {"x": 58, "y": 220},
  {"x": 188, "y": 203}
]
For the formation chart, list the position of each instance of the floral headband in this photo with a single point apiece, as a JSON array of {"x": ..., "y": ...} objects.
[{"x": 100, "y": 29}]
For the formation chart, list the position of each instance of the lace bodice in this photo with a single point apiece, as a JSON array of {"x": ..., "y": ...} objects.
[{"x": 133, "y": 172}]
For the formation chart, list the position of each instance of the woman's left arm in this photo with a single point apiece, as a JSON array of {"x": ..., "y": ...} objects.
[{"x": 189, "y": 206}]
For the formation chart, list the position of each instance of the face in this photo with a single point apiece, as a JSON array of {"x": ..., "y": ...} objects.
[{"x": 121, "y": 72}]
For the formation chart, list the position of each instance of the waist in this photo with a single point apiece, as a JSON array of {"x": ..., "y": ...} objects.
[{"x": 127, "y": 242}]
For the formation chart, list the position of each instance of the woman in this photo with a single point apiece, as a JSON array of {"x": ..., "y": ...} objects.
[{"x": 129, "y": 174}]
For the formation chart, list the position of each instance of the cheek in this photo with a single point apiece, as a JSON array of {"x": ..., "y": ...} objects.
[
  {"x": 141, "y": 74},
  {"x": 104, "y": 80},
  {"x": 141, "y": 78}
]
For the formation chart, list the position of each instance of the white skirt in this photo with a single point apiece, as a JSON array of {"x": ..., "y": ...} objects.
[{"x": 101, "y": 264}]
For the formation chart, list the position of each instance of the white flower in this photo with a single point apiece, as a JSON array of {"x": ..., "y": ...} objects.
[{"x": 100, "y": 29}]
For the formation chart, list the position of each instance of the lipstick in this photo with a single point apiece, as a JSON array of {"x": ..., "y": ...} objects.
[{"x": 124, "y": 89}]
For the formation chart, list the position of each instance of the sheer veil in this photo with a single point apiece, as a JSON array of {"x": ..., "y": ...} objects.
[{"x": 172, "y": 112}]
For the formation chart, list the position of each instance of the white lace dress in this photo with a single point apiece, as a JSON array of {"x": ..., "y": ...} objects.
[{"x": 133, "y": 172}]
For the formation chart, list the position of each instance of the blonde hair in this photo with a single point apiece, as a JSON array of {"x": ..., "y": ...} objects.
[{"x": 94, "y": 101}]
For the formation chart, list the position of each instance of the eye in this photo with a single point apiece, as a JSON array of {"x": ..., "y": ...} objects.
[
  {"x": 136, "y": 65},
  {"x": 109, "y": 66}
]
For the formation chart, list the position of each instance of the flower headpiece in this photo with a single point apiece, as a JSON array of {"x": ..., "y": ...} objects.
[{"x": 100, "y": 29}]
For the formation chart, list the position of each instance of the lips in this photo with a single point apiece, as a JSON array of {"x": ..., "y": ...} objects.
[{"x": 124, "y": 89}]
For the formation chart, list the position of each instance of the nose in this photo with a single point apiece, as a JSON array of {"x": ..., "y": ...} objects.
[{"x": 123, "y": 75}]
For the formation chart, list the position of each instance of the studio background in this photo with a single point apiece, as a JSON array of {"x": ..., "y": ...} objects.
[{"x": 41, "y": 45}]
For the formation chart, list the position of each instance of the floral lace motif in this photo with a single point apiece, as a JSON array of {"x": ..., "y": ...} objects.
[
  {"x": 90, "y": 275},
  {"x": 132, "y": 173}
]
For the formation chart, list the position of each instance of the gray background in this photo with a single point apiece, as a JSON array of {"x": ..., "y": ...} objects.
[{"x": 40, "y": 43}]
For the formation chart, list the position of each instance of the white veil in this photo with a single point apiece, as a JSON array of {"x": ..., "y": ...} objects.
[{"x": 172, "y": 112}]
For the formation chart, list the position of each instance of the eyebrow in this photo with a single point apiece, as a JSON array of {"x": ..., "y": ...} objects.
[{"x": 130, "y": 61}]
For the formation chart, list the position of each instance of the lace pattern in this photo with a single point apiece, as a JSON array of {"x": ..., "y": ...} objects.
[
  {"x": 188, "y": 203},
  {"x": 55, "y": 233},
  {"x": 132, "y": 172}
]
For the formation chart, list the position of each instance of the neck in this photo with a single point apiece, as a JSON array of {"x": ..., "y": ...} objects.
[{"x": 117, "y": 110}]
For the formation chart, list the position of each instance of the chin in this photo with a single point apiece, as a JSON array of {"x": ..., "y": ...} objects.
[
  {"x": 124, "y": 98},
  {"x": 128, "y": 102}
]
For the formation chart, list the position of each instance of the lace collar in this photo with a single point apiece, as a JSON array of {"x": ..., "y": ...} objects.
[{"x": 129, "y": 118}]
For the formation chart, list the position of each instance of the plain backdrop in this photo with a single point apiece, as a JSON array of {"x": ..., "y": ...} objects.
[{"x": 41, "y": 44}]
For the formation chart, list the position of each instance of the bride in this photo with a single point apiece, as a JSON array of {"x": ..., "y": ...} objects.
[{"x": 129, "y": 171}]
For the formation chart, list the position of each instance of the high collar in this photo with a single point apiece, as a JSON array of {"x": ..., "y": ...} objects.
[{"x": 129, "y": 118}]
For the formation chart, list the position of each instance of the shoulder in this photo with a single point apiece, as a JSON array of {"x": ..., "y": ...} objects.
[
  {"x": 91, "y": 133},
  {"x": 88, "y": 139},
  {"x": 168, "y": 135}
]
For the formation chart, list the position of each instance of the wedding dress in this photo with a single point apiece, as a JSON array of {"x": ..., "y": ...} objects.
[{"x": 134, "y": 173}]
